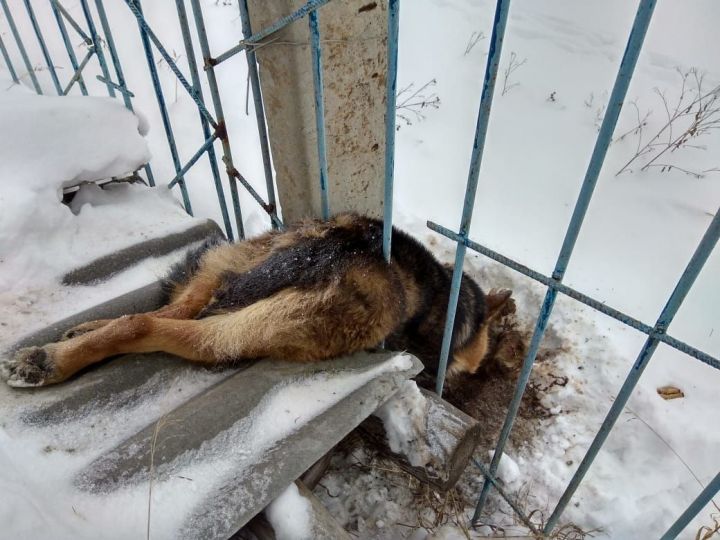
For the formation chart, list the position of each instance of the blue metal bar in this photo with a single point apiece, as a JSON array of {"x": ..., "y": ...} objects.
[
  {"x": 137, "y": 8},
  {"x": 68, "y": 46},
  {"x": 21, "y": 47},
  {"x": 170, "y": 62},
  {"x": 580, "y": 297},
  {"x": 707, "y": 244},
  {"x": 217, "y": 105},
  {"x": 207, "y": 144},
  {"x": 319, "y": 111},
  {"x": 255, "y": 195},
  {"x": 622, "y": 81},
  {"x": 698, "y": 504},
  {"x": 78, "y": 71},
  {"x": 312, "y": 5},
  {"x": 526, "y": 520},
  {"x": 8, "y": 63},
  {"x": 197, "y": 87},
  {"x": 69, "y": 18},
  {"x": 259, "y": 105},
  {"x": 43, "y": 47},
  {"x": 390, "y": 100},
  {"x": 121, "y": 85},
  {"x": 97, "y": 45},
  {"x": 124, "y": 91},
  {"x": 496, "y": 41}
]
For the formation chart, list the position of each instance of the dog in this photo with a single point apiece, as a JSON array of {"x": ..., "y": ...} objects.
[{"x": 318, "y": 290}]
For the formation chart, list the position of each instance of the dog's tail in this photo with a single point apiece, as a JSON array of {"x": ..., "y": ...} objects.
[{"x": 182, "y": 272}]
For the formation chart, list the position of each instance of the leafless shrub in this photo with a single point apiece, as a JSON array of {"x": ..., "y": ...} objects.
[
  {"x": 175, "y": 56},
  {"x": 474, "y": 38},
  {"x": 694, "y": 114},
  {"x": 706, "y": 532},
  {"x": 512, "y": 66},
  {"x": 411, "y": 103},
  {"x": 599, "y": 109}
]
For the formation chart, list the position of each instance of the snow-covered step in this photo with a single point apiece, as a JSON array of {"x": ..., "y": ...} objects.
[
  {"x": 107, "y": 266},
  {"x": 208, "y": 449}
]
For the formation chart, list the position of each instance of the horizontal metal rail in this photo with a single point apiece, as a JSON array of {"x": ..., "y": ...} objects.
[
  {"x": 580, "y": 297},
  {"x": 255, "y": 38}
]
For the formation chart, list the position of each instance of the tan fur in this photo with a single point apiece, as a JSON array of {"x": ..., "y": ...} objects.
[{"x": 353, "y": 310}]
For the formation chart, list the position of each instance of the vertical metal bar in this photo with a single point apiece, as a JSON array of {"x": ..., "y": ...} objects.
[
  {"x": 118, "y": 70},
  {"x": 259, "y": 105},
  {"x": 319, "y": 110},
  {"x": 217, "y": 104},
  {"x": 390, "y": 98},
  {"x": 163, "y": 109},
  {"x": 8, "y": 63},
  {"x": 622, "y": 81},
  {"x": 98, "y": 46},
  {"x": 493, "y": 62},
  {"x": 708, "y": 242},
  {"x": 68, "y": 46},
  {"x": 113, "y": 52},
  {"x": 698, "y": 504},
  {"x": 43, "y": 47},
  {"x": 21, "y": 47},
  {"x": 197, "y": 88}
]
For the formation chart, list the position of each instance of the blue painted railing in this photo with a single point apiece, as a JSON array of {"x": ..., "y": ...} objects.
[{"x": 214, "y": 129}]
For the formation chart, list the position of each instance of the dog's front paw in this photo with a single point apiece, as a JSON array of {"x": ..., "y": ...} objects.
[{"x": 29, "y": 367}]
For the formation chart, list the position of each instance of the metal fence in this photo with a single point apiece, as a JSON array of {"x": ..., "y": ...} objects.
[{"x": 214, "y": 128}]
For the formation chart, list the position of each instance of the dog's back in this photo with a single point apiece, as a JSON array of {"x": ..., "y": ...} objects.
[{"x": 315, "y": 255}]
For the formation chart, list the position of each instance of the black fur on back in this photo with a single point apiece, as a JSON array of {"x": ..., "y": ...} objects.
[
  {"x": 308, "y": 264},
  {"x": 314, "y": 261},
  {"x": 181, "y": 272}
]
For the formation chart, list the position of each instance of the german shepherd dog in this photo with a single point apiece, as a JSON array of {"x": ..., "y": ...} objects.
[{"x": 316, "y": 291}]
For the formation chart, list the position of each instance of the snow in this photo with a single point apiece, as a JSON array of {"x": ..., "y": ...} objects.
[
  {"x": 40, "y": 238},
  {"x": 34, "y": 456},
  {"x": 640, "y": 231},
  {"x": 404, "y": 418},
  {"x": 290, "y": 515}
]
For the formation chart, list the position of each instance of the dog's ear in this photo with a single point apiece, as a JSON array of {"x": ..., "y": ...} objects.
[{"x": 498, "y": 303}]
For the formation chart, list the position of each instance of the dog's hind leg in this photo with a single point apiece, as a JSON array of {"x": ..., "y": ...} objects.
[
  {"x": 187, "y": 304},
  {"x": 292, "y": 325}
]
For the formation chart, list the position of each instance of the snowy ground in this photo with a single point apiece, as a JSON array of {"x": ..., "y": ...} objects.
[{"x": 640, "y": 231}]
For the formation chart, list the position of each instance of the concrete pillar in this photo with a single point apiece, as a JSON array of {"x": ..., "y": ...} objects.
[{"x": 353, "y": 37}]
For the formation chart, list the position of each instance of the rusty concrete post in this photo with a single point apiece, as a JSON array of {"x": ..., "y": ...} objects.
[{"x": 353, "y": 37}]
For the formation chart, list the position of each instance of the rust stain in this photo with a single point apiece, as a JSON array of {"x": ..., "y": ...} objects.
[{"x": 367, "y": 7}]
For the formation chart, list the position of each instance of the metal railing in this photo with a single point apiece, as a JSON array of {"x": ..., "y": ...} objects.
[{"x": 214, "y": 129}]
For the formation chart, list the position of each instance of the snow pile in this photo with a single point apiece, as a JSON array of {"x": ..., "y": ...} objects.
[
  {"x": 290, "y": 515},
  {"x": 404, "y": 417},
  {"x": 50, "y": 142}
]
